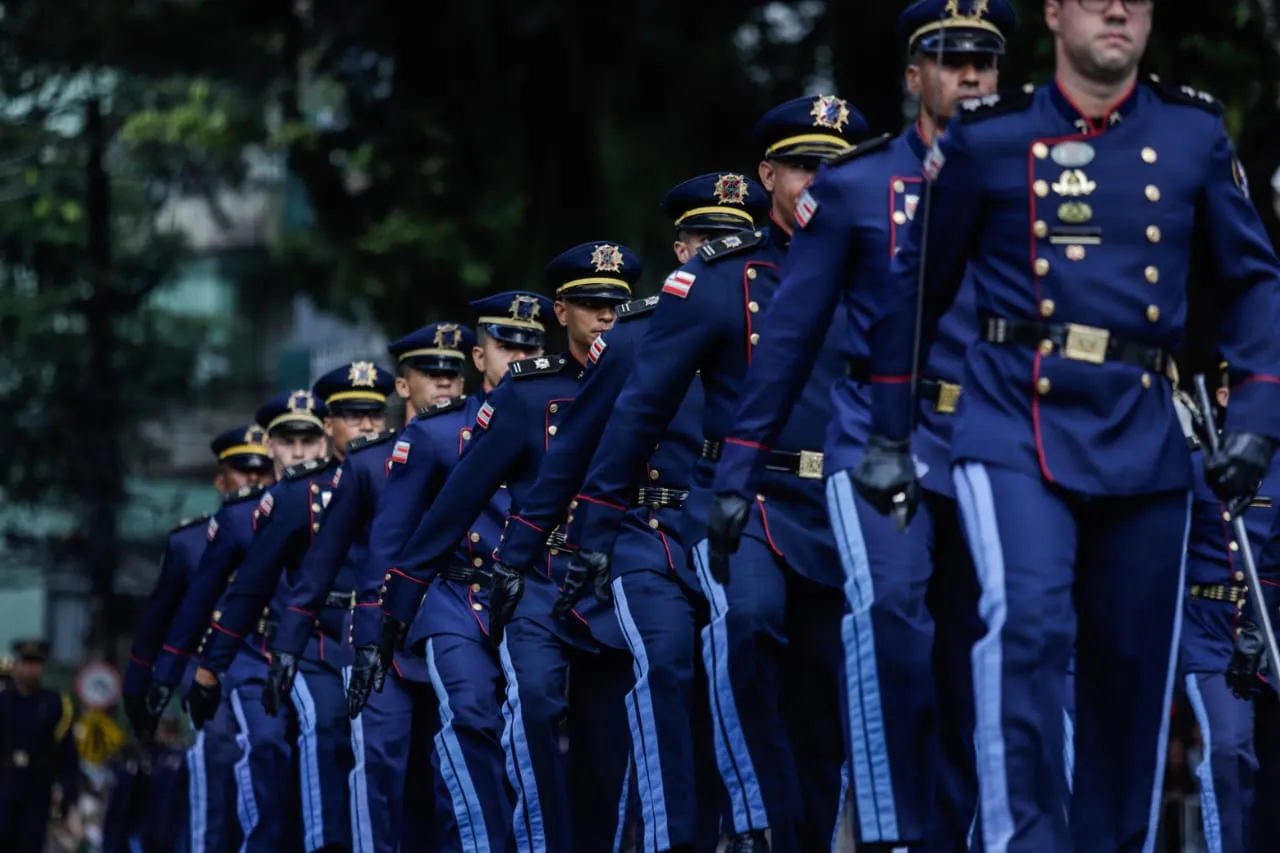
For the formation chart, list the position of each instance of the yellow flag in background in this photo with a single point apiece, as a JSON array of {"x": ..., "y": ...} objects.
[{"x": 98, "y": 738}]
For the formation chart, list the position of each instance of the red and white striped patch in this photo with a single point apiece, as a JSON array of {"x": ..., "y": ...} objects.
[
  {"x": 678, "y": 283},
  {"x": 483, "y": 416},
  {"x": 212, "y": 530},
  {"x": 597, "y": 349},
  {"x": 337, "y": 476},
  {"x": 400, "y": 453},
  {"x": 806, "y": 207},
  {"x": 265, "y": 505}
]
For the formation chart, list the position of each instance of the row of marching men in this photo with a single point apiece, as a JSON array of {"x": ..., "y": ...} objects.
[{"x": 642, "y": 542}]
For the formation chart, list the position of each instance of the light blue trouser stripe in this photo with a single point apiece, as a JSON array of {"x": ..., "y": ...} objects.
[
  {"x": 515, "y": 743},
  {"x": 620, "y": 830},
  {"x": 467, "y": 810},
  {"x": 978, "y": 511},
  {"x": 358, "y": 783},
  {"x": 308, "y": 764},
  {"x": 197, "y": 793},
  {"x": 844, "y": 802},
  {"x": 873, "y": 788},
  {"x": 1171, "y": 674},
  {"x": 1204, "y": 772},
  {"x": 644, "y": 731},
  {"x": 1069, "y": 749},
  {"x": 246, "y": 802},
  {"x": 733, "y": 756}
]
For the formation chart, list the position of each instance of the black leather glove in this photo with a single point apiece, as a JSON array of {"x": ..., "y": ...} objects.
[
  {"x": 1248, "y": 662},
  {"x": 725, "y": 522},
  {"x": 588, "y": 570},
  {"x": 504, "y": 595},
  {"x": 138, "y": 712},
  {"x": 157, "y": 699},
  {"x": 1235, "y": 472},
  {"x": 391, "y": 639},
  {"x": 281, "y": 672},
  {"x": 364, "y": 673},
  {"x": 886, "y": 479},
  {"x": 202, "y": 702}
]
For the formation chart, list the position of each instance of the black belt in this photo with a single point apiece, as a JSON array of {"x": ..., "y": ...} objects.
[
  {"x": 657, "y": 498},
  {"x": 466, "y": 575},
  {"x": 806, "y": 464},
  {"x": 341, "y": 599},
  {"x": 1075, "y": 342},
  {"x": 943, "y": 395}
]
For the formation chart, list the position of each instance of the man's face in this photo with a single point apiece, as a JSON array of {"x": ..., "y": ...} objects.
[
  {"x": 424, "y": 387},
  {"x": 687, "y": 243},
  {"x": 786, "y": 181},
  {"x": 1103, "y": 40},
  {"x": 229, "y": 479},
  {"x": 27, "y": 672},
  {"x": 941, "y": 86},
  {"x": 294, "y": 448},
  {"x": 493, "y": 356},
  {"x": 344, "y": 425},
  {"x": 586, "y": 319}
]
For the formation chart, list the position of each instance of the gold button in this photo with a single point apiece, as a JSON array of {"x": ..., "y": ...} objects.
[
  {"x": 1153, "y": 313},
  {"x": 1153, "y": 234},
  {"x": 315, "y": 528},
  {"x": 753, "y": 306},
  {"x": 466, "y": 435},
  {"x": 477, "y": 562},
  {"x": 1239, "y": 576},
  {"x": 899, "y": 218},
  {"x": 555, "y": 552},
  {"x": 1042, "y": 266},
  {"x": 382, "y": 588},
  {"x": 1234, "y": 546},
  {"x": 1043, "y": 385},
  {"x": 475, "y": 587},
  {"x": 755, "y": 338},
  {"x": 475, "y": 537},
  {"x": 1041, "y": 188},
  {"x": 1240, "y": 604},
  {"x": 653, "y": 522},
  {"x": 899, "y": 187},
  {"x": 573, "y": 504},
  {"x": 1040, "y": 150},
  {"x": 315, "y": 489},
  {"x": 217, "y": 614},
  {"x": 553, "y": 408},
  {"x": 1046, "y": 347},
  {"x": 1152, "y": 274},
  {"x": 315, "y": 507},
  {"x": 654, "y": 474},
  {"x": 1041, "y": 228},
  {"x": 1153, "y": 192},
  {"x": 1075, "y": 252},
  {"x": 551, "y": 430},
  {"x": 1046, "y": 308},
  {"x": 1146, "y": 380},
  {"x": 1148, "y": 155},
  {"x": 1226, "y": 516},
  {"x": 760, "y": 498},
  {"x": 232, "y": 577},
  {"x": 751, "y": 273},
  {"x": 477, "y": 607}
]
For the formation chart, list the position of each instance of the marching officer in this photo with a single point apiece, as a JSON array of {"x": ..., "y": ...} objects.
[
  {"x": 429, "y": 369},
  {"x": 288, "y": 518},
  {"x": 557, "y": 807},
  {"x": 295, "y": 432},
  {"x": 450, "y": 632},
  {"x": 1216, "y": 615},
  {"x": 37, "y": 752},
  {"x": 1071, "y": 468},
  {"x": 775, "y": 724},
  {"x": 912, "y": 599},
  {"x": 655, "y": 592}
]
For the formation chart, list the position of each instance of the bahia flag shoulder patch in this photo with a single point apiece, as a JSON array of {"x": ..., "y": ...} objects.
[
  {"x": 212, "y": 530},
  {"x": 484, "y": 415},
  {"x": 806, "y": 207},
  {"x": 400, "y": 453},
  {"x": 678, "y": 283},
  {"x": 597, "y": 349},
  {"x": 265, "y": 505}
]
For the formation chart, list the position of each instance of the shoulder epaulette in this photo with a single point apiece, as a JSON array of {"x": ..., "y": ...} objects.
[
  {"x": 191, "y": 522},
  {"x": 369, "y": 440},
  {"x": 450, "y": 405},
  {"x": 244, "y": 493},
  {"x": 1186, "y": 95},
  {"x": 716, "y": 250},
  {"x": 543, "y": 365},
  {"x": 864, "y": 147},
  {"x": 637, "y": 308},
  {"x": 305, "y": 469},
  {"x": 999, "y": 104}
]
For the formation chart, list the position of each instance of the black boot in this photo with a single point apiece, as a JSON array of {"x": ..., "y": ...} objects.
[{"x": 748, "y": 842}]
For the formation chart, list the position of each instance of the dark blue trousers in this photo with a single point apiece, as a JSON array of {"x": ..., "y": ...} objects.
[
  {"x": 324, "y": 755},
  {"x": 392, "y": 801},
  {"x": 1053, "y": 566},
  {"x": 264, "y": 781},
  {"x": 680, "y": 791},
  {"x": 468, "y": 685},
  {"x": 211, "y": 784},
  {"x": 575, "y": 803},
  {"x": 773, "y": 659},
  {"x": 912, "y": 622}
]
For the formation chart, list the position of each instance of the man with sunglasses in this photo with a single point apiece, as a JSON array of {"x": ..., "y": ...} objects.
[{"x": 1075, "y": 209}]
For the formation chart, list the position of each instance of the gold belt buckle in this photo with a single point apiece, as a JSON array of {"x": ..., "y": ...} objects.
[
  {"x": 810, "y": 465},
  {"x": 948, "y": 398},
  {"x": 1086, "y": 343}
]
